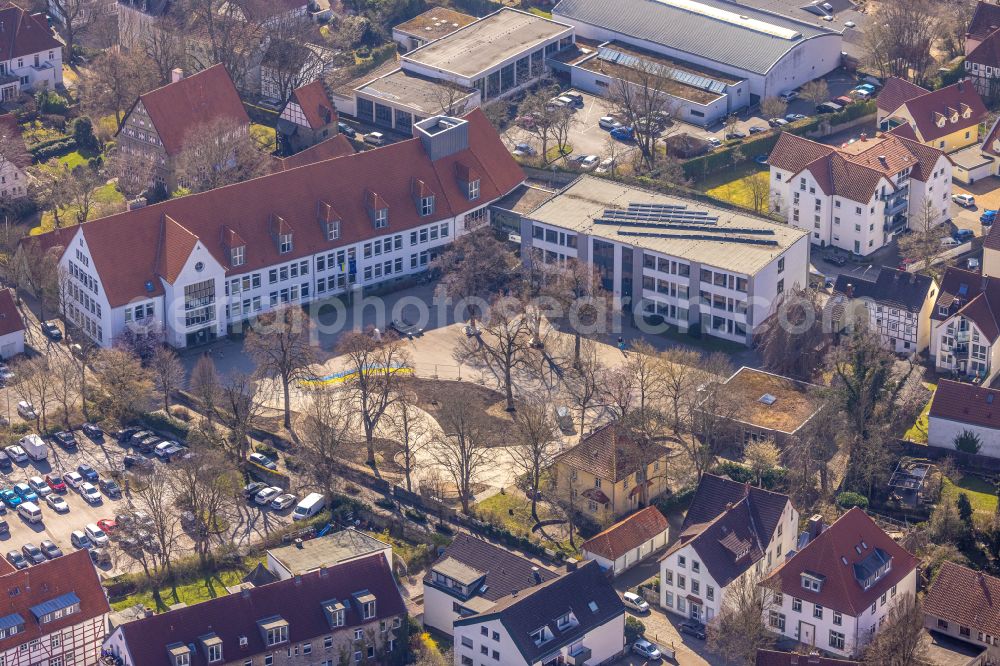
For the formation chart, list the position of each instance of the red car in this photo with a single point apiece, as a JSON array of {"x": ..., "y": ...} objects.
[
  {"x": 107, "y": 525},
  {"x": 55, "y": 482}
]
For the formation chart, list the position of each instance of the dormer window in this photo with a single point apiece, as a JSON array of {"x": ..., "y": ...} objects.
[
  {"x": 381, "y": 218},
  {"x": 474, "y": 190},
  {"x": 368, "y": 610},
  {"x": 427, "y": 206},
  {"x": 541, "y": 635},
  {"x": 284, "y": 243},
  {"x": 213, "y": 648},
  {"x": 334, "y": 611},
  {"x": 333, "y": 230},
  {"x": 366, "y": 601},
  {"x": 565, "y": 621},
  {"x": 274, "y": 630},
  {"x": 238, "y": 255},
  {"x": 812, "y": 582},
  {"x": 180, "y": 654}
]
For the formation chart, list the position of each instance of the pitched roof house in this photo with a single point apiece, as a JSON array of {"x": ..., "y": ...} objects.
[
  {"x": 965, "y": 320},
  {"x": 835, "y": 593},
  {"x": 30, "y": 54},
  {"x": 61, "y": 598},
  {"x": 471, "y": 576},
  {"x": 11, "y": 325},
  {"x": 965, "y": 605},
  {"x": 947, "y": 118},
  {"x": 578, "y": 615},
  {"x": 985, "y": 20},
  {"x": 353, "y": 607},
  {"x": 613, "y": 470},
  {"x": 895, "y": 303},
  {"x": 959, "y": 407},
  {"x": 731, "y": 531},
  {"x": 308, "y": 117},
  {"x": 14, "y": 179},
  {"x": 629, "y": 541}
]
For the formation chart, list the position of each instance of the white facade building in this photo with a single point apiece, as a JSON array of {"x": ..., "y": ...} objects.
[
  {"x": 897, "y": 304},
  {"x": 30, "y": 55},
  {"x": 960, "y": 407},
  {"x": 965, "y": 336}
]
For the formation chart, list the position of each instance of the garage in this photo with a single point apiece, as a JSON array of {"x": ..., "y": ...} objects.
[
  {"x": 11, "y": 326},
  {"x": 628, "y": 542}
]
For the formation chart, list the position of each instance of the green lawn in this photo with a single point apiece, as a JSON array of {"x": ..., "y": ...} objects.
[
  {"x": 735, "y": 188},
  {"x": 513, "y": 511},
  {"x": 981, "y": 493},
  {"x": 540, "y": 12},
  {"x": 105, "y": 196},
  {"x": 77, "y": 158},
  {"x": 209, "y": 587},
  {"x": 918, "y": 431}
]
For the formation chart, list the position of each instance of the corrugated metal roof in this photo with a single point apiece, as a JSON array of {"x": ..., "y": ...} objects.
[
  {"x": 12, "y": 620},
  {"x": 698, "y": 33},
  {"x": 62, "y": 601}
]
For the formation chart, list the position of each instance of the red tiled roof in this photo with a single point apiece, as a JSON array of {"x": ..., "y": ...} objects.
[
  {"x": 299, "y": 601},
  {"x": 985, "y": 20},
  {"x": 627, "y": 534},
  {"x": 904, "y": 131},
  {"x": 11, "y": 320},
  {"x": 957, "y": 285},
  {"x": 610, "y": 453},
  {"x": 966, "y": 403},
  {"x": 833, "y": 555},
  {"x": 176, "y": 245},
  {"x": 199, "y": 98},
  {"x": 775, "y": 658},
  {"x": 980, "y": 312},
  {"x": 987, "y": 52},
  {"x": 896, "y": 92},
  {"x": 966, "y": 597},
  {"x": 247, "y": 208},
  {"x": 991, "y": 142},
  {"x": 315, "y": 104},
  {"x": 952, "y": 103},
  {"x": 992, "y": 240},
  {"x": 24, "y": 33},
  {"x": 336, "y": 146},
  {"x": 71, "y": 573},
  {"x": 794, "y": 153},
  {"x": 10, "y": 129}
]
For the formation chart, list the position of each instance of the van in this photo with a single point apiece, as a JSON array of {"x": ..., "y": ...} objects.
[
  {"x": 34, "y": 446},
  {"x": 30, "y": 512},
  {"x": 309, "y": 507},
  {"x": 375, "y": 138},
  {"x": 828, "y": 107}
]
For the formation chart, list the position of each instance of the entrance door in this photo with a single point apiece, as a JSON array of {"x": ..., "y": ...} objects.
[
  {"x": 695, "y": 612},
  {"x": 807, "y": 633}
]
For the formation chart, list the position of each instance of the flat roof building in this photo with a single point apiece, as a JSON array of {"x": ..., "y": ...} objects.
[
  {"x": 687, "y": 262},
  {"x": 400, "y": 98},
  {"x": 435, "y": 23},
  {"x": 326, "y": 551}
]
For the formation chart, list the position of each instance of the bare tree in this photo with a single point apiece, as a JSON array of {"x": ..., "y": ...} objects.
[
  {"x": 576, "y": 291},
  {"x": 923, "y": 246},
  {"x": 715, "y": 408},
  {"x": 538, "y": 116},
  {"x": 642, "y": 99},
  {"x": 168, "y": 373},
  {"x": 899, "y": 39},
  {"x": 773, "y": 107},
  {"x": 208, "y": 486},
  {"x": 758, "y": 186},
  {"x": 583, "y": 381},
  {"x": 409, "y": 426},
  {"x": 206, "y": 386},
  {"x": 153, "y": 496},
  {"x": 219, "y": 152},
  {"x": 762, "y": 457},
  {"x": 503, "y": 346},
  {"x": 164, "y": 46},
  {"x": 114, "y": 80},
  {"x": 281, "y": 347},
  {"x": 328, "y": 433},
  {"x": 792, "y": 340},
  {"x": 290, "y": 58},
  {"x": 65, "y": 383},
  {"x": 376, "y": 370},
  {"x": 901, "y": 641},
  {"x": 537, "y": 442},
  {"x": 461, "y": 448},
  {"x": 816, "y": 91},
  {"x": 134, "y": 169},
  {"x": 36, "y": 270},
  {"x": 126, "y": 385},
  {"x": 233, "y": 38},
  {"x": 32, "y": 381},
  {"x": 75, "y": 18},
  {"x": 241, "y": 409},
  {"x": 740, "y": 629}
]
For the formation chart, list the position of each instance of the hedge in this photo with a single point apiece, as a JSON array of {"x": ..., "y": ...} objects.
[
  {"x": 169, "y": 424},
  {"x": 668, "y": 503},
  {"x": 260, "y": 115},
  {"x": 53, "y": 148}
]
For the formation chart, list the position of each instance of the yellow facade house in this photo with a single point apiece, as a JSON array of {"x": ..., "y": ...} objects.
[
  {"x": 947, "y": 119},
  {"x": 610, "y": 473}
]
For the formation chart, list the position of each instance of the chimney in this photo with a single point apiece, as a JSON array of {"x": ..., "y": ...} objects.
[
  {"x": 571, "y": 565},
  {"x": 864, "y": 136},
  {"x": 176, "y": 74},
  {"x": 323, "y": 573},
  {"x": 815, "y": 526},
  {"x": 961, "y": 86},
  {"x": 298, "y": 542},
  {"x": 536, "y": 575},
  {"x": 245, "y": 593},
  {"x": 298, "y": 581},
  {"x": 850, "y": 290}
]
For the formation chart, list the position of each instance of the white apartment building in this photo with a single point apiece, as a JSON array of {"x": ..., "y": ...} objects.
[
  {"x": 860, "y": 196},
  {"x": 836, "y": 593},
  {"x": 30, "y": 55},
  {"x": 196, "y": 266},
  {"x": 732, "y": 531},
  {"x": 668, "y": 258},
  {"x": 965, "y": 336}
]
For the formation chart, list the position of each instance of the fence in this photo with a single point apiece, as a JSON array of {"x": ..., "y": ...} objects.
[{"x": 966, "y": 461}]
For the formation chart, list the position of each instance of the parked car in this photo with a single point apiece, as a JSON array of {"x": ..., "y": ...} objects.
[
  {"x": 405, "y": 328},
  {"x": 147, "y": 444},
  {"x": 576, "y": 99},
  {"x": 65, "y": 439},
  {"x": 964, "y": 200},
  {"x": 850, "y": 24},
  {"x": 963, "y": 235},
  {"x": 587, "y": 162},
  {"x": 972, "y": 264},
  {"x": 164, "y": 450},
  {"x": 57, "y": 503},
  {"x": 692, "y": 628},
  {"x": 124, "y": 435},
  {"x": 26, "y": 410},
  {"x": 344, "y": 128},
  {"x": 626, "y": 134},
  {"x": 792, "y": 117},
  {"x": 73, "y": 480},
  {"x": 138, "y": 434},
  {"x": 756, "y": 129},
  {"x": 523, "y": 149},
  {"x": 90, "y": 493},
  {"x": 140, "y": 463},
  {"x": 93, "y": 431},
  {"x": 836, "y": 259},
  {"x": 251, "y": 489},
  {"x": 859, "y": 93},
  {"x": 988, "y": 217},
  {"x": 25, "y": 492},
  {"x": 608, "y": 123},
  {"x": 265, "y": 496},
  {"x": 635, "y": 602},
  {"x": 96, "y": 534},
  {"x": 949, "y": 242},
  {"x": 4, "y": 528},
  {"x": 10, "y": 498},
  {"x": 777, "y": 122},
  {"x": 843, "y": 100},
  {"x": 646, "y": 650},
  {"x": 714, "y": 142},
  {"x": 262, "y": 460},
  {"x": 375, "y": 138},
  {"x": 51, "y": 331},
  {"x": 5, "y": 463},
  {"x": 38, "y": 484},
  {"x": 283, "y": 501},
  {"x": 16, "y": 453},
  {"x": 17, "y": 559},
  {"x": 761, "y": 159},
  {"x": 734, "y": 135},
  {"x": 50, "y": 550},
  {"x": 33, "y": 553},
  {"x": 80, "y": 540},
  {"x": 789, "y": 96},
  {"x": 110, "y": 488},
  {"x": 87, "y": 472},
  {"x": 606, "y": 165}
]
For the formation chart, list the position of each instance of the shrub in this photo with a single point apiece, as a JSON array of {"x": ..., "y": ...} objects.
[
  {"x": 850, "y": 499},
  {"x": 49, "y": 149},
  {"x": 51, "y": 102},
  {"x": 165, "y": 423},
  {"x": 83, "y": 132},
  {"x": 266, "y": 450},
  {"x": 20, "y": 428},
  {"x": 669, "y": 503},
  {"x": 968, "y": 442},
  {"x": 415, "y": 516},
  {"x": 634, "y": 628}
]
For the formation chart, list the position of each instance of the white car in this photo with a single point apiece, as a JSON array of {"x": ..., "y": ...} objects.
[
  {"x": 80, "y": 540},
  {"x": 73, "y": 480},
  {"x": 964, "y": 200},
  {"x": 282, "y": 502},
  {"x": 262, "y": 460},
  {"x": 712, "y": 141},
  {"x": 850, "y": 24},
  {"x": 608, "y": 123},
  {"x": 644, "y": 648},
  {"x": 57, "y": 503},
  {"x": 606, "y": 165},
  {"x": 90, "y": 493},
  {"x": 164, "y": 450},
  {"x": 265, "y": 496},
  {"x": 41, "y": 488},
  {"x": 948, "y": 241},
  {"x": 635, "y": 602},
  {"x": 523, "y": 149},
  {"x": 588, "y": 162},
  {"x": 16, "y": 453},
  {"x": 96, "y": 534}
]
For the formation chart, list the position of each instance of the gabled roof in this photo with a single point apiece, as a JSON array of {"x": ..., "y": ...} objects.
[
  {"x": 987, "y": 52},
  {"x": 966, "y": 597},
  {"x": 715, "y": 492},
  {"x": 897, "y": 92},
  {"x": 40, "y": 586},
  {"x": 892, "y": 287},
  {"x": 627, "y": 534},
  {"x": 24, "y": 34},
  {"x": 176, "y": 245},
  {"x": 586, "y": 593},
  {"x": 958, "y": 105},
  {"x": 177, "y": 107},
  {"x": 775, "y": 658},
  {"x": 985, "y": 20},
  {"x": 504, "y": 572},
  {"x": 328, "y": 149},
  {"x": 611, "y": 452},
  {"x": 124, "y": 247},
  {"x": 11, "y": 320},
  {"x": 315, "y": 104},
  {"x": 958, "y": 287},
  {"x": 991, "y": 142},
  {"x": 298, "y": 601},
  {"x": 794, "y": 153},
  {"x": 10, "y": 137},
  {"x": 835, "y": 555},
  {"x": 966, "y": 403}
]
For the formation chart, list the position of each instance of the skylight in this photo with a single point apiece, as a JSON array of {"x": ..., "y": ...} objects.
[{"x": 767, "y": 399}]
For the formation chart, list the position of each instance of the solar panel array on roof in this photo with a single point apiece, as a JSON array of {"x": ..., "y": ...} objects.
[
  {"x": 679, "y": 75},
  {"x": 671, "y": 220}
]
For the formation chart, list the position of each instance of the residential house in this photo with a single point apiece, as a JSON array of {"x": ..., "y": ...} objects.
[
  {"x": 577, "y": 618},
  {"x": 858, "y": 197},
  {"x": 982, "y": 67},
  {"x": 681, "y": 263},
  {"x": 965, "y": 604},
  {"x": 947, "y": 118},
  {"x": 732, "y": 535},
  {"x": 965, "y": 329},
  {"x": 352, "y": 610},
  {"x": 897, "y": 304},
  {"x": 15, "y": 160},
  {"x": 775, "y": 658},
  {"x": 196, "y": 266},
  {"x": 30, "y": 55},
  {"x": 264, "y": 12},
  {"x": 991, "y": 252},
  {"x": 959, "y": 407},
  {"x": 308, "y": 118},
  {"x": 629, "y": 541},
  {"x": 11, "y": 325},
  {"x": 610, "y": 473},
  {"x": 985, "y": 20},
  {"x": 472, "y": 576},
  {"x": 308, "y": 555},
  {"x": 762, "y": 406},
  {"x": 160, "y": 120},
  {"x": 55, "y": 613},
  {"x": 435, "y": 23},
  {"x": 837, "y": 591}
]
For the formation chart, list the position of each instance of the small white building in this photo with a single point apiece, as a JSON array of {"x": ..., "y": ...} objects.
[
  {"x": 11, "y": 326},
  {"x": 731, "y": 530},
  {"x": 896, "y": 303},
  {"x": 577, "y": 618},
  {"x": 629, "y": 541},
  {"x": 837, "y": 591},
  {"x": 959, "y": 407},
  {"x": 324, "y": 552},
  {"x": 965, "y": 335},
  {"x": 30, "y": 55}
]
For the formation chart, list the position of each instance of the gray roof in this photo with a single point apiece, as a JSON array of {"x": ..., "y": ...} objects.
[
  {"x": 737, "y": 35},
  {"x": 893, "y": 287},
  {"x": 326, "y": 551},
  {"x": 419, "y": 93}
]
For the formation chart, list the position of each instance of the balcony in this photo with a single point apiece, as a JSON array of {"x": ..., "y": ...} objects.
[
  {"x": 578, "y": 658},
  {"x": 895, "y": 206}
]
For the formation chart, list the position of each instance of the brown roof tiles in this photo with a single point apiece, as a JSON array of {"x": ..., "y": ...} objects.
[
  {"x": 985, "y": 20},
  {"x": 11, "y": 320},
  {"x": 897, "y": 92},
  {"x": 966, "y": 403},
  {"x": 940, "y": 112},
  {"x": 315, "y": 104},
  {"x": 966, "y": 597},
  {"x": 627, "y": 534},
  {"x": 611, "y": 452},
  {"x": 23, "y": 33}
]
